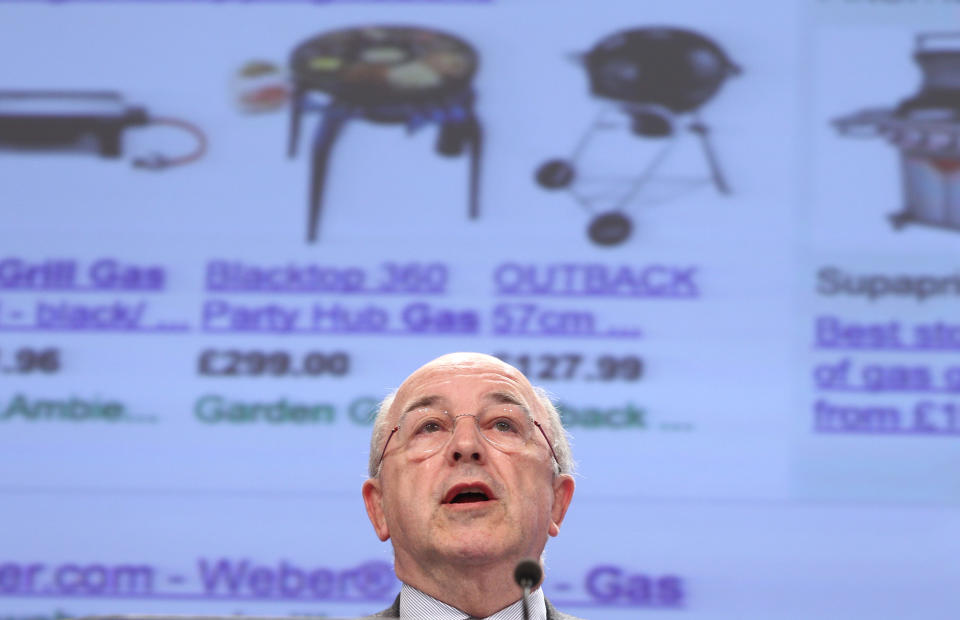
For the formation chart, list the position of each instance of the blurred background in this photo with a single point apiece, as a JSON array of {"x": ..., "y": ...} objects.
[{"x": 723, "y": 236}]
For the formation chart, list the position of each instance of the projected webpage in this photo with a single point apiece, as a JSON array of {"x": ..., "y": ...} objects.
[{"x": 722, "y": 237}]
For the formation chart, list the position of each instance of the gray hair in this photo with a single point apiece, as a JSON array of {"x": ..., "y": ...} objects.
[{"x": 559, "y": 437}]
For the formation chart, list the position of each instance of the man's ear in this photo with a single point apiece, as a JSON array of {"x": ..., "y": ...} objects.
[
  {"x": 562, "y": 494},
  {"x": 373, "y": 500}
]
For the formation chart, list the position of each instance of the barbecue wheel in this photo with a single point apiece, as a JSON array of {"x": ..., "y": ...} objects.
[
  {"x": 612, "y": 228},
  {"x": 555, "y": 174}
]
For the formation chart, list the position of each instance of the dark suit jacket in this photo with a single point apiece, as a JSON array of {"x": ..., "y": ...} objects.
[{"x": 394, "y": 612}]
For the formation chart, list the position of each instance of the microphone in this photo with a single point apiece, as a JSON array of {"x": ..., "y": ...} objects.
[{"x": 527, "y": 574}]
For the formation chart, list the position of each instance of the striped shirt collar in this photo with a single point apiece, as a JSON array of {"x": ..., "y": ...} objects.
[{"x": 415, "y": 605}]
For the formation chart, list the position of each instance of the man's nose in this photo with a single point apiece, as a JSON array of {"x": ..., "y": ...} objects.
[{"x": 466, "y": 442}]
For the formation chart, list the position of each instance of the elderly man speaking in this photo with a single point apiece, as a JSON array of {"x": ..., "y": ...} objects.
[{"x": 469, "y": 474}]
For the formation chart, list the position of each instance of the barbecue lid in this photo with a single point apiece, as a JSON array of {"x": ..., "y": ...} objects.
[
  {"x": 672, "y": 67},
  {"x": 938, "y": 54},
  {"x": 384, "y": 64}
]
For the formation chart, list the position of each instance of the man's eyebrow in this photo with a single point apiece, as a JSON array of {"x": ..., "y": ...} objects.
[
  {"x": 423, "y": 401},
  {"x": 508, "y": 398}
]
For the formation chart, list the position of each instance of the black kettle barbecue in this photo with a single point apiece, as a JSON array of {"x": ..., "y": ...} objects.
[
  {"x": 926, "y": 130},
  {"x": 657, "y": 77},
  {"x": 385, "y": 74}
]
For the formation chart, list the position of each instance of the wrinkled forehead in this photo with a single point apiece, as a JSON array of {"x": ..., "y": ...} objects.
[{"x": 457, "y": 382}]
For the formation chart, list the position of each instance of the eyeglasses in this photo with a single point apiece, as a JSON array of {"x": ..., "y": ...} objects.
[{"x": 425, "y": 430}]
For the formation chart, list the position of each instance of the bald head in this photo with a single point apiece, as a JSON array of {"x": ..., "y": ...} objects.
[{"x": 453, "y": 365}]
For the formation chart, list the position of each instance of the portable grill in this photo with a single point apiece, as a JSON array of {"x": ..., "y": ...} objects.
[
  {"x": 926, "y": 130},
  {"x": 62, "y": 120},
  {"x": 388, "y": 74},
  {"x": 657, "y": 77}
]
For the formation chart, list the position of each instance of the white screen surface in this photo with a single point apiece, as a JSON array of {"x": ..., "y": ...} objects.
[{"x": 759, "y": 383}]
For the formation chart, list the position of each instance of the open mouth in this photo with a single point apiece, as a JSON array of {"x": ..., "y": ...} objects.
[{"x": 468, "y": 494}]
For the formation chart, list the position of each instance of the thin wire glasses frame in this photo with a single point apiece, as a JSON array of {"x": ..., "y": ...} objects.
[{"x": 396, "y": 428}]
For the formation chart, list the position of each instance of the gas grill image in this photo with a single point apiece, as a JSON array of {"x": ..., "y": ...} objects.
[
  {"x": 389, "y": 74},
  {"x": 55, "y": 120},
  {"x": 657, "y": 79},
  {"x": 925, "y": 128}
]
